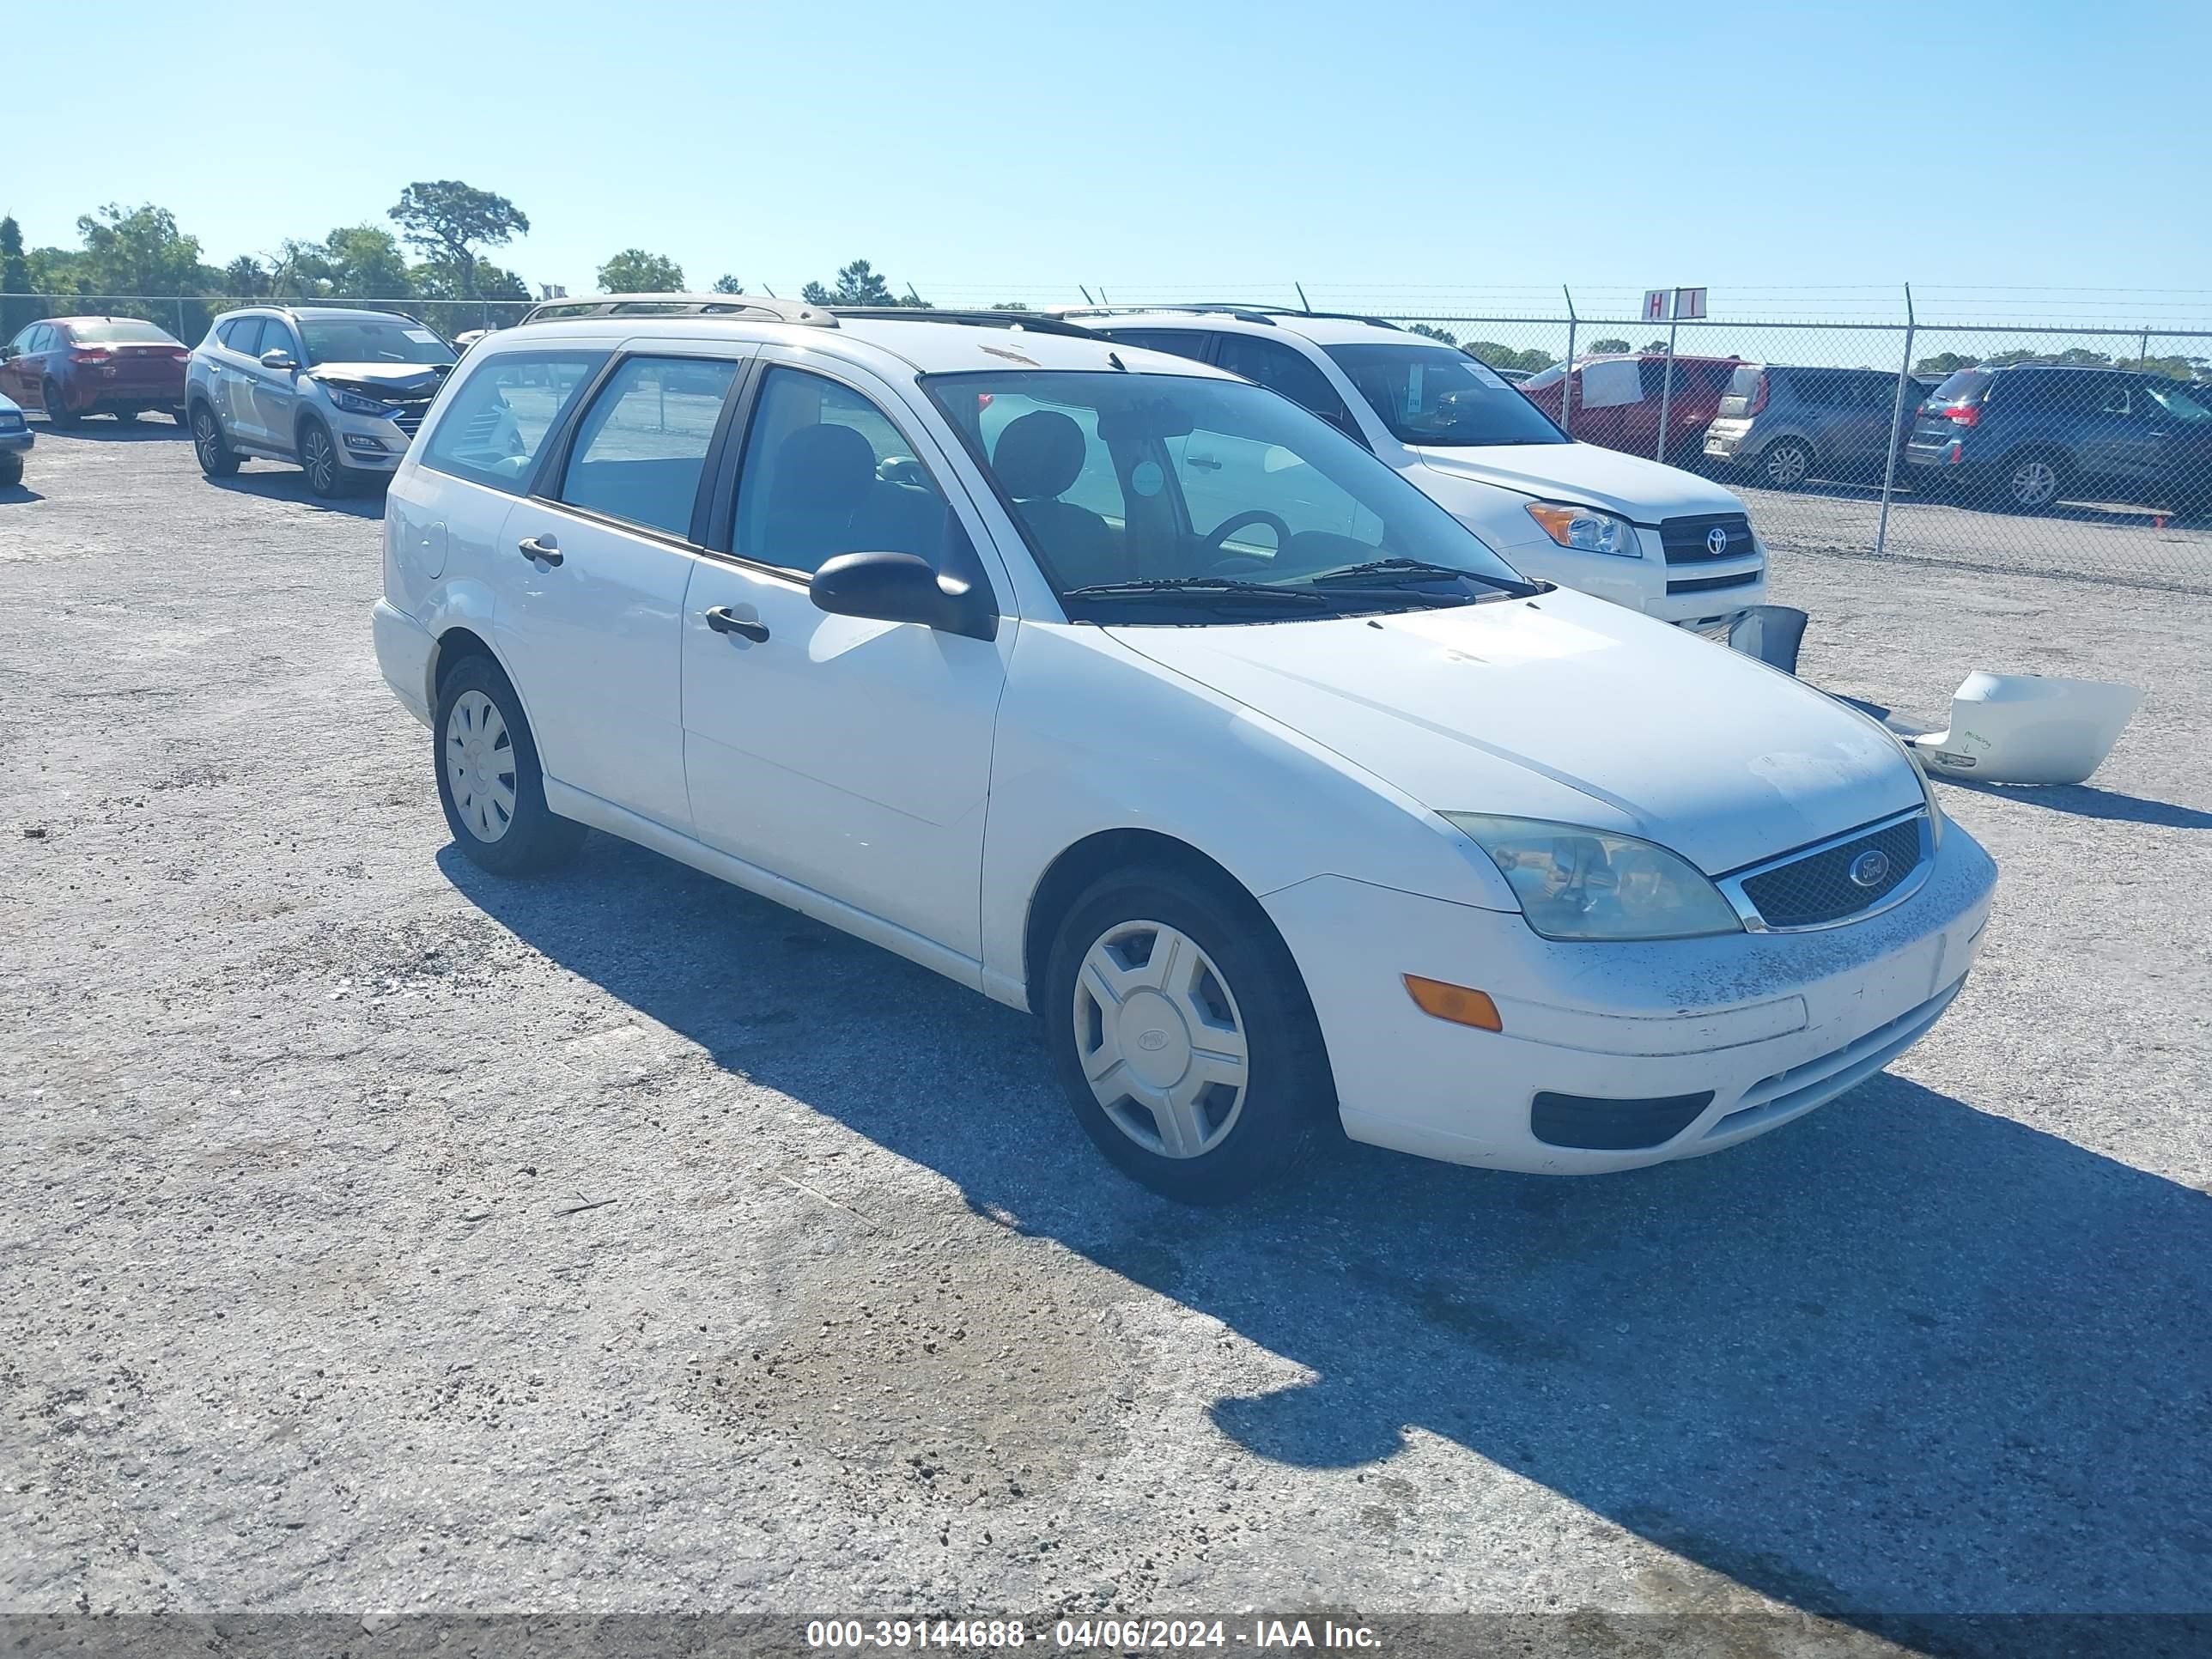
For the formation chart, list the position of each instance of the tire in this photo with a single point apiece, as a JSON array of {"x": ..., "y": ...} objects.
[
  {"x": 318, "y": 460},
  {"x": 489, "y": 779},
  {"x": 210, "y": 444},
  {"x": 2033, "y": 480},
  {"x": 57, "y": 412},
  {"x": 1785, "y": 464},
  {"x": 11, "y": 471},
  {"x": 1218, "y": 1128}
]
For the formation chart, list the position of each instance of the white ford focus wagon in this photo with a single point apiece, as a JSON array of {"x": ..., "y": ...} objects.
[{"x": 1130, "y": 693}]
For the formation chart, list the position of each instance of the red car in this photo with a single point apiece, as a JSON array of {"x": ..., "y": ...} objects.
[
  {"x": 72, "y": 366},
  {"x": 1617, "y": 401}
]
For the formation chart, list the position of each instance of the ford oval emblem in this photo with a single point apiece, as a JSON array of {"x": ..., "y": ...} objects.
[
  {"x": 1717, "y": 541},
  {"x": 1868, "y": 869}
]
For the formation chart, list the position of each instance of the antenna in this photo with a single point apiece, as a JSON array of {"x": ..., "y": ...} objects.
[
  {"x": 1086, "y": 293},
  {"x": 1303, "y": 300},
  {"x": 1102, "y": 300},
  {"x": 766, "y": 289}
]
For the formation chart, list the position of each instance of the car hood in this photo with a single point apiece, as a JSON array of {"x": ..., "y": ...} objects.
[
  {"x": 1589, "y": 475},
  {"x": 384, "y": 380},
  {"x": 1563, "y": 708},
  {"x": 9, "y": 405}
]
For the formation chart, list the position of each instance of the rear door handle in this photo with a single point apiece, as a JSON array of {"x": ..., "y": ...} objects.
[
  {"x": 540, "y": 547},
  {"x": 723, "y": 620}
]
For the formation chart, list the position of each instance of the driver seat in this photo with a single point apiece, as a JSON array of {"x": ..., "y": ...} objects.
[{"x": 1036, "y": 458}]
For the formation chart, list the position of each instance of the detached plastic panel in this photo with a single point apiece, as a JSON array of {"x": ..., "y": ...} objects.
[{"x": 2027, "y": 729}]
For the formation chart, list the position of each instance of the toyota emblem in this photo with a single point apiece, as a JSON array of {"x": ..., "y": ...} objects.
[
  {"x": 1868, "y": 869},
  {"x": 1717, "y": 541}
]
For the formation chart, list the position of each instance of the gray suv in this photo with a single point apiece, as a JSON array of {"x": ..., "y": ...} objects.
[
  {"x": 341, "y": 393},
  {"x": 1787, "y": 425}
]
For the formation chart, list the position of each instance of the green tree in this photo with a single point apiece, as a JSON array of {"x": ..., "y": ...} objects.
[
  {"x": 1428, "y": 331},
  {"x": 244, "y": 278},
  {"x": 1657, "y": 345},
  {"x": 139, "y": 251},
  {"x": 858, "y": 284},
  {"x": 365, "y": 262},
  {"x": 1504, "y": 356},
  {"x": 634, "y": 270},
  {"x": 1944, "y": 363},
  {"x": 17, "y": 308},
  {"x": 448, "y": 222},
  {"x": 1608, "y": 345},
  {"x": 1009, "y": 305},
  {"x": 727, "y": 283}
]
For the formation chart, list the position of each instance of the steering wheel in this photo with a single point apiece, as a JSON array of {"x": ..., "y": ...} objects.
[{"x": 1237, "y": 521}]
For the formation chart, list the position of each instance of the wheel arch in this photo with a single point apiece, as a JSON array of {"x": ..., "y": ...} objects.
[{"x": 1072, "y": 874}]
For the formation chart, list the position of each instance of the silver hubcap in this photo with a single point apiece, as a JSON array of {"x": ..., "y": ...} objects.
[
  {"x": 318, "y": 460},
  {"x": 2033, "y": 483},
  {"x": 204, "y": 435},
  {"x": 1161, "y": 1040},
  {"x": 1786, "y": 464},
  {"x": 480, "y": 765}
]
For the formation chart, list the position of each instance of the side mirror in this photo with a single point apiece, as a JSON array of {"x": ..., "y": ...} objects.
[
  {"x": 900, "y": 588},
  {"x": 279, "y": 358},
  {"x": 6, "y": 352}
]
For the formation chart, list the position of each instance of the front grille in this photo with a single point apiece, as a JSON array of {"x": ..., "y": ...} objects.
[
  {"x": 410, "y": 419},
  {"x": 1818, "y": 888},
  {"x": 1686, "y": 540},
  {"x": 1706, "y": 584}
]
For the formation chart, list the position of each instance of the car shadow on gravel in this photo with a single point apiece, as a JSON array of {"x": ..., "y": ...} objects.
[
  {"x": 99, "y": 429},
  {"x": 1903, "y": 1357},
  {"x": 289, "y": 484},
  {"x": 2083, "y": 801}
]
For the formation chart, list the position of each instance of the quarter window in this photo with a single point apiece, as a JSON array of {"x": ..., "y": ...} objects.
[
  {"x": 491, "y": 430},
  {"x": 642, "y": 445},
  {"x": 826, "y": 472}
]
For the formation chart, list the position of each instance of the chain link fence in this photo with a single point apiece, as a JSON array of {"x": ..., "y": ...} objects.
[{"x": 2073, "y": 451}]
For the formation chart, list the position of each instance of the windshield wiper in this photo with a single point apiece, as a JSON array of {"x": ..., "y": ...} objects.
[
  {"x": 1226, "y": 586},
  {"x": 1387, "y": 572}
]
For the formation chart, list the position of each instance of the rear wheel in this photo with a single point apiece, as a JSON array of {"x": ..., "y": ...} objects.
[
  {"x": 57, "y": 411},
  {"x": 1786, "y": 464},
  {"x": 1182, "y": 1034},
  {"x": 489, "y": 779},
  {"x": 2033, "y": 481},
  {"x": 217, "y": 458}
]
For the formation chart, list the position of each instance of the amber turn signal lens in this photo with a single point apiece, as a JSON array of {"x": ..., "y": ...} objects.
[{"x": 1456, "y": 1003}]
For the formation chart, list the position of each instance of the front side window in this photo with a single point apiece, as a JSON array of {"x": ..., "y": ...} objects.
[
  {"x": 492, "y": 428},
  {"x": 826, "y": 472},
  {"x": 1285, "y": 369},
  {"x": 1162, "y": 498},
  {"x": 642, "y": 445},
  {"x": 276, "y": 336},
  {"x": 1176, "y": 341},
  {"x": 2184, "y": 402},
  {"x": 371, "y": 340},
  {"x": 1427, "y": 394}
]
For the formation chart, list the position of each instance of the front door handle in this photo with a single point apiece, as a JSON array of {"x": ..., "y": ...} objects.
[
  {"x": 540, "y": 547},
  {"x": 723, "y": 620},
  {"x": 1206, "y": 461}
]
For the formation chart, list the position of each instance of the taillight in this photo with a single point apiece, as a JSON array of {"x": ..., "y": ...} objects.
[
  {"x": 89, "y": 355},
  {"x": 1963, "y": 414},
  {"x": 182, "y": 356},
  {"x": 1758, "y": 398}
]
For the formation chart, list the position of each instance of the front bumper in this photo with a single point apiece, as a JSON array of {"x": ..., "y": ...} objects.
[
  {"x": 1773, "y": 1024},
  {"x": 1690, "y": 594},
  {"x": 367, "y": 443},
  {"x": 17, "y": 442}
]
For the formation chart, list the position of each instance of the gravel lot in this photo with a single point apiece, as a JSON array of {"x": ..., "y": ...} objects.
[{"x": 380, "y": 1236}]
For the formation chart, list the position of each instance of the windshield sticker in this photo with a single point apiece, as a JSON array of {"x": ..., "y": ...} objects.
[
  {"x": 1146, "y": 477},
  {"x": 421, "y": 336}
]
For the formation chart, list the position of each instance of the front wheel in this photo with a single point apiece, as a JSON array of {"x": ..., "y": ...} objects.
[
  {"x": 217, "y": 458},
  {"x": 318, "y": 460},
  {"x": 1184, "y": 1036},
  {"x": 489, "y": 779}
]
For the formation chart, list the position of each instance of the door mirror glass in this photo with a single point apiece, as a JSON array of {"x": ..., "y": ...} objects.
[
  {"x": 278, "y": 358},
  {"x": 902, "y": 587}
]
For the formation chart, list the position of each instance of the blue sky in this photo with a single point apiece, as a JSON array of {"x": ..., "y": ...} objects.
[{"x": 1378, "y": 153}]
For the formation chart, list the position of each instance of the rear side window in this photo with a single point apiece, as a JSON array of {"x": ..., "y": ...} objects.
[
  {"x": 642, "y": 445},
  {"x": 1283, "y": 369},
  {"x": 491, "y": 429},
  {"x": 239, "y": 334},
  {"x": 1744, "y": 383},
  {"x": 1177, "y": 341}
]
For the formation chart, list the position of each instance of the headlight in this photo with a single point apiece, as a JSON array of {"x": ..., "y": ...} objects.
[
  {"x": 1578, "y": 883},
  {"x": 1928, "y": 794},
  {"x": 354, "y": 404},
  {"x": 1586, "y": 529}
]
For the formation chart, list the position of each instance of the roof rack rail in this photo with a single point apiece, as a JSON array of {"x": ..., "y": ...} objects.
[
  {"x": 1242, "y": 312},
  {"x": 757, "y": 307},
  {"x": 1036, "y": 322}
]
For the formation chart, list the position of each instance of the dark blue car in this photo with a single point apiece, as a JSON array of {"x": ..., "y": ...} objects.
[{"x": 2030, "y": 436}]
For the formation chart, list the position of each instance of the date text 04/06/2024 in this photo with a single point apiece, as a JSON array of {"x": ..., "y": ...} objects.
[{"x": 1119, "y": 1634}]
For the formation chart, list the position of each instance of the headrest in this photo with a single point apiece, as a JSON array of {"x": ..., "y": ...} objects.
[
  {"x": 823, "y": 460},
  {"x": 1038, "y": 454}
]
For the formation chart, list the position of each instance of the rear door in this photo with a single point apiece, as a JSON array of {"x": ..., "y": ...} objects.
[{"x": 587, "y": 617}]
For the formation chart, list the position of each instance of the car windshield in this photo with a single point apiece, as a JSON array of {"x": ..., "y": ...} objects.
[
  {"x": 1434, "y": 395},
  {"x": 371, "y": 340},
  {"x": 1165, "y": 498},
  {"x": 120, "y": 333}
]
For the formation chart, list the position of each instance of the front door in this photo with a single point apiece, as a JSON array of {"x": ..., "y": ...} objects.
[
  {"x": 851, "y": 757},
  {"x": 274, "y": 393},
  {"x": 587, "y": 617}
]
